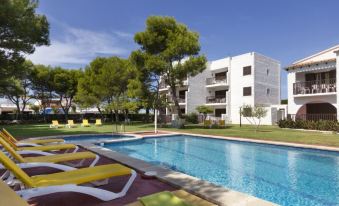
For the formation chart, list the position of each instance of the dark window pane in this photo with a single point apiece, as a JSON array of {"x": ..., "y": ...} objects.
[
  {"x": 247, "y": 91},
  {"x": 247, "y": 70}
]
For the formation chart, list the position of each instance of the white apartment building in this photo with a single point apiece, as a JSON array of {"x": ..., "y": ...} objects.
[
  {"x": 312, "y": 86},
  {"x": 228, "y": 84}
]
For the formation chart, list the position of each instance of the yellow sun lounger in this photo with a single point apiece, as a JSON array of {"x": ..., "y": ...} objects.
[
  {"x": 179, "y": 197},
  {"x": 35, "y": 141},
  {"x": 69, "y": 181},
  {"x": 70, "y": 124},
  {"x": 51, "y": 147},
  {"x": 49, "y": 157},
  {"x": 55, "y": 124},
  {"x": 98, "y": 122},
  {"x": 85, "y": 123},
  {"x": 9, "y": 197}
]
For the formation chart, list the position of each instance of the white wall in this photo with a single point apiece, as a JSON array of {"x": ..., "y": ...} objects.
[
  {"x": 197, "y": 91},
  {"x": 266, "y": 76},
  {"x": 337, "y": 86},
  {"x": 237, "y": 82}
]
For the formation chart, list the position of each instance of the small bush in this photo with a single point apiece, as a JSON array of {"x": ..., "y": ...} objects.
[
  {"x": 326, "y": 125},
  {"x": 192, "y": 118}
]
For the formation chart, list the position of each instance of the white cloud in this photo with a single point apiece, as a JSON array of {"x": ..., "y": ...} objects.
[{"x": 75, "y": 46}]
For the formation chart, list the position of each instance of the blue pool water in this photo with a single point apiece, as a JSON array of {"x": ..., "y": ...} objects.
[
  {"x": 95, "y": 138},
  {"x": 283, "y": 175}
]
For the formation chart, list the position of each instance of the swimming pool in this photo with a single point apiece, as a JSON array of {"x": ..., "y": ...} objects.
[
  {"x": 96, "y": 137},
  {"x": 283, "y": 175}
]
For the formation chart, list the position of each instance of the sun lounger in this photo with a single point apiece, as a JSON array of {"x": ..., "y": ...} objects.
[
  {"x": 9, "y": 197},
  {"x": 49, "y": 157},
  {"x": 98, "y": 122},
  {"x": 207, "y": 123},
  {"x": 55, "y": 124},
  {"x": 51, "y": 147},
  {"x": 70, "y": 124},
  {"x": 85, "y": 123},
  {"x": 69, "y": 181},
  {"x": 221, "y": 123},
  {"x": 175, "y": 198},
  {"x": 28, "y": 141}
]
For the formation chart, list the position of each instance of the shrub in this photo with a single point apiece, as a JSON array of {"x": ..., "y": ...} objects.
[
  {"x": 326, "y": 125},
  {"x": 192, "y": 118}
]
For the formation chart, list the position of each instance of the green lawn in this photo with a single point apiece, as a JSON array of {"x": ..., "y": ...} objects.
[{"x": 266, "y": 132}]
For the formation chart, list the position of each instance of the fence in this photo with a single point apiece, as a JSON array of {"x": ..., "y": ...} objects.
[
  {"x": 313, "y": 117},
  {"x": 39, "y": 118}
]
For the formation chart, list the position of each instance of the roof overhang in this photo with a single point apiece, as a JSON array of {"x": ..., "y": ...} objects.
[{"x": 297, "y": 66}]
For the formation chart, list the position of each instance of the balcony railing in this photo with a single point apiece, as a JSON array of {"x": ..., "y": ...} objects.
[
  {"x": 181, "y": 99},
  {"x": 215, "y": 99},
  {"x": 162, "y": 85},
  {"x": 211, "y": 81},
  {"x": 315, "y": 87}
]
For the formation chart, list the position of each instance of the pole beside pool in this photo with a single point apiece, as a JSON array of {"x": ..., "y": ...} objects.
[{"x": 155, "y": 121}]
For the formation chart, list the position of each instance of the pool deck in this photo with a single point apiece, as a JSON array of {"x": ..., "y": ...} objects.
[{"x": 206, "y": 190}]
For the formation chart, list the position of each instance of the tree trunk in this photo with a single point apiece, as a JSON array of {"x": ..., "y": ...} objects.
[
  {"x": 116, "y": 112},
  {"x": 18, "y": 110},
  {"x": 147, "y": 115},
  {"x": 176, "y": 102}
]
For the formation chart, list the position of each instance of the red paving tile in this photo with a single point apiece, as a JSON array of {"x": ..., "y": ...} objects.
[{"x": 140, "y": 187}]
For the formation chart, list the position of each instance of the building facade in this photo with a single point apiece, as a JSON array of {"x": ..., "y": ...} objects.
[
  {"x": 230, "y": 83},
  {"x": 312, "y": 86}
]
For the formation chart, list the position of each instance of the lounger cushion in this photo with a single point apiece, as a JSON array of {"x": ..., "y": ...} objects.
[
  {"x": 42, "y": 141},
  {"x": 61, "y": 157},
  {"x": 49, "y": 147},
  {"x": 9, "y": 197},
  {"x": 81, "y": 176},
  {"x": 162, "y": 198}
]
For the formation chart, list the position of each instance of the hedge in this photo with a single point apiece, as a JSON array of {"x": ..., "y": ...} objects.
[{"x": 325, "y": 125}]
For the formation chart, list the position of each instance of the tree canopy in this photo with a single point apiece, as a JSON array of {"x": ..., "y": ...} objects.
[
  {"x": 21, "y": 30},
  {"x": 168, "y": 49},
  {"x": 105, "y": 84}
]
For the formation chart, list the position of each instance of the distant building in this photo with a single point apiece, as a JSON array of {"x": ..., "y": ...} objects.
[
  {"x": 228, "y": 84},
  {"x": 312, "y": 86}
]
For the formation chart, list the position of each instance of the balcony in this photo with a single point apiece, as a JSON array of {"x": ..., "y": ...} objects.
[
  {"x": 181, "y": 99},
  {"x": 164, "y": 86},
  {"x": 324, "y": 86},
  {"x": 218, "y": 99}
]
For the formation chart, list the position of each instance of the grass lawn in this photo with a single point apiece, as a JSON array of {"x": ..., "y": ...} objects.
[{"x": 273, "y": 133}]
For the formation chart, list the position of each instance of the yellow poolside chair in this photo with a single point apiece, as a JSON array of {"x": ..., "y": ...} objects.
[
  {"x": 9, "y": 197},
  {"x": 31, "y": 141},
  {"x": 55, "y": 124},
  {"x": 51, "y": 147},
  {"x": 68, "y": 181},
  {"x": 98, "y": 122},
  {"x": 221, "y": 123},
  {"x": 177, "y": 197},
  {"x": 85, "y": 123},
  {"x": 207, "y": 123},
  {"x": 70, "y": 124},
  {"x": 51, "y": 158}
]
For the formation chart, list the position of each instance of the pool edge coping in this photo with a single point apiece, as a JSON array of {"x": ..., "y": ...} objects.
[
  {"x": 241, "y": 139},
  {"x": 187, "y": 182}
]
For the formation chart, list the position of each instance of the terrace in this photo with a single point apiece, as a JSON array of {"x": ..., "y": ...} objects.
[{"x": 315, "y": 87}]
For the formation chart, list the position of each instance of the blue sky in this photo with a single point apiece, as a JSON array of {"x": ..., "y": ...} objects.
[{"x": 286, "y": 30}]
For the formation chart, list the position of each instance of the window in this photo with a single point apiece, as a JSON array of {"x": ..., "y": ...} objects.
[
  {"x": 247, "y": 91},
  {"x": 267, "y": 72},
  {"x": 268, "y": 91},
  {"x": 246, "y": 70}
]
